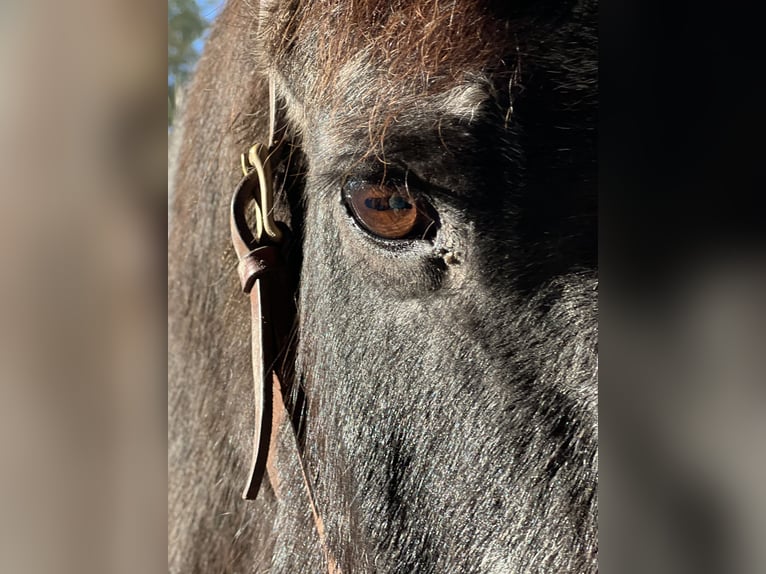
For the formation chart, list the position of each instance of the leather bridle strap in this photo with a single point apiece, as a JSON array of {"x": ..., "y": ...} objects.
[
  {"x": 258, "y": 269},
  {"x": 261, "y": 272}
]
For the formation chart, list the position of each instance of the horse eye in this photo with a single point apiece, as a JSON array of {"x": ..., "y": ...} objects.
[{"x": 387, "y": 211}]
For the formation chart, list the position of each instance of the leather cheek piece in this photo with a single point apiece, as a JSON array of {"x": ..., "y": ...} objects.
[{"x": 261, "y": 273}]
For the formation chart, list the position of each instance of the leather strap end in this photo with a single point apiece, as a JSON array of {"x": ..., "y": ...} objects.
[{"x": 254, "y": 264}]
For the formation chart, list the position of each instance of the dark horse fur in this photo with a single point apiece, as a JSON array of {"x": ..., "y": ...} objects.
[{"x": 450, "y": 422}]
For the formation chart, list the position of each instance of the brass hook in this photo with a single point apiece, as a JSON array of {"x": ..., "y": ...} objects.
[{"x": 258, "y": 159}]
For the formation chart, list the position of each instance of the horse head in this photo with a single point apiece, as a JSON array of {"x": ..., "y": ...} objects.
[{"x": 439, "y": 183}]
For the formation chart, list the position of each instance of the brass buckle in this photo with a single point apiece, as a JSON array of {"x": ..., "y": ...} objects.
[{"x": 257, "y": 162}]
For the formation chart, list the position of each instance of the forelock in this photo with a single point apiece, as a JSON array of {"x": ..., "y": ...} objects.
[{"x": 386, "y": 56}]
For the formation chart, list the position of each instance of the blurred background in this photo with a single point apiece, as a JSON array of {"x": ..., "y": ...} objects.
[
  {"x": 83, "y": 198},
  {"x": 682, "y": 306},
  {"x": 188, "y": 23}
]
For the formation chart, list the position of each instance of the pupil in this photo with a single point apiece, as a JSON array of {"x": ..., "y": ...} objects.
[
  {"x": 384, "y": 204},
  {"x": 376, "y": 203},
  {"x": 398, "y": 202}
]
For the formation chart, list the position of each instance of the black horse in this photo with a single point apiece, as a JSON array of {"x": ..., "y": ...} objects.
[{"x": 441, "y": 194}]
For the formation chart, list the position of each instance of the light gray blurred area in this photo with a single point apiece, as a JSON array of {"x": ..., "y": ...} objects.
[
  {"x": 82, "y": 304},
  {"x": 683, "y": 419}
]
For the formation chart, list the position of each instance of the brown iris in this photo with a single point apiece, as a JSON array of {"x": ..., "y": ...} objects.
[{"x": 386, "y": 211}]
